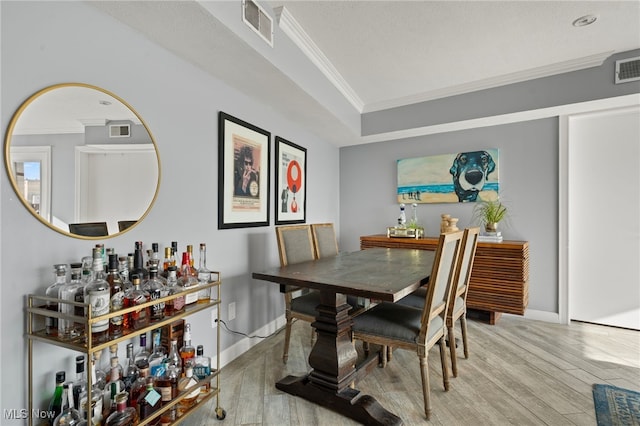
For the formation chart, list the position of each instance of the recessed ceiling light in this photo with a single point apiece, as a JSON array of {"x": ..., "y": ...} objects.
[{"x": 585, "y": 20}]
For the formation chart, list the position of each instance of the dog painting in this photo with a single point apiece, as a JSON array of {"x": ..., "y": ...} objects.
[{"x": 451, "y": 178}]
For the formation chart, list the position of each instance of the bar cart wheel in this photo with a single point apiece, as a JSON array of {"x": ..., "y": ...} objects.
[{"x": 220, "y": 413}]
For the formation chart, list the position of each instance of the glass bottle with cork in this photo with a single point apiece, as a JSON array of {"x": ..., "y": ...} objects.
[
  {"x": 98, "y": 295},
  {"x": 53, "y": 291},
  {"x": 204, "y": 276},
  {"x": 188, "y": 280}
]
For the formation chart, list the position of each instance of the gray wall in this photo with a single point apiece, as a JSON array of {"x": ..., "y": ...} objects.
[
  {"x": 45, "y": 43},
  {"x": 529, "y": 152},
  {"x": 528, "y": 185}
]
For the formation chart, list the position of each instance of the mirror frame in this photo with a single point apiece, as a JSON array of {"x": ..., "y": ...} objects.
[{"x": 9, "y": 167}]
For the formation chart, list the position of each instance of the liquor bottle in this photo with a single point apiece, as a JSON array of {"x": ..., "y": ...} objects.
[
  {"x": 149, "y": 400},
  {"x": 143, "y": 353},
  {"x": 190, "y": 254},
  {"x": 168, "y": 261},
  {"x": 173, "y": 359},
  {"x": 80, "y": 385},
  {"x": 101, "y": 377},
  {"x": 157, "y": 354},
  {"x": 156, "y": 290},
  {"x": 131, "y": 371},
  {"x": 189, "y": 381},
  {"x": 114, "y": 387},
  {"x": 167, "y": 384},
  {"x": 80, "y": 311},
  {"x": 176, "y": 304},
  {"x": 188, "y": 280},
  {"x": 204, "y": 276},
  {"x": 60, "y": 273},
  {"x": 55, "y": 405},
  {"x": 202, "y": 367},
  {"x": 113, "y": 349},
  {"x": 187, "y": 352},
  {"x": 97, "y": 294},
  {"x": 67, "y": 328},
  {"x": 140, "y": 385},
  {"x": 123, "y": 270},
  {"x": 402, "y": 219},
  {"x": 116, "y": 324},
  {"x": 136, "y": 296},
  {"x": 138, "y": 262},
  {"x": 87, "y": 269},
  {"x": 91, "y": 399},
  {"x": 123, "y": 416},
  {"x": 174, "y": 255},
  {"x": 69, "y": 415}
]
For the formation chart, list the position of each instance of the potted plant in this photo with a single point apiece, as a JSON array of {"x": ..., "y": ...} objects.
[{"x": 489, "y": 213}]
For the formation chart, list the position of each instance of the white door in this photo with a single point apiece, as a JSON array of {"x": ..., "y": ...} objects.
[{"x": 604, "y": 217}]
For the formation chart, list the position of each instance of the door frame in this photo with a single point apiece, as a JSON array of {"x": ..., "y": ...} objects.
[{"x": 564, "y": 308}]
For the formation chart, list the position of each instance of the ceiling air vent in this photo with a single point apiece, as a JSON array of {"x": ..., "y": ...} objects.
[
  {"x": 255, "y": 17},
  {"x": 627, "y": 70},
  {"x": 119, "y": 131}
]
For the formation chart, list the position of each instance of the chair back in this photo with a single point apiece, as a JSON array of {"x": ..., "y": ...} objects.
[
  {"x": 324, "y": 240},
  {"x": 440, "y": 284},
  {"x": 465, "y": 264},
  {"x": 89, "y": 229},
  {"x": 295, "y": 244}
]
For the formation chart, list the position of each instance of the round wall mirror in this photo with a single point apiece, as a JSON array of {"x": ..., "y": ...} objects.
[{"x": 82, "y": 161}]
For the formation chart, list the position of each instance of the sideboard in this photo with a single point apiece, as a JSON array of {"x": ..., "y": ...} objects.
[{"x": 499, "y": 279}]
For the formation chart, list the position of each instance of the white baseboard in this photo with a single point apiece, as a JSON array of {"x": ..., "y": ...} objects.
[
  {"x": 246, "y": 343},
  {"x": 545, "y": 316}
]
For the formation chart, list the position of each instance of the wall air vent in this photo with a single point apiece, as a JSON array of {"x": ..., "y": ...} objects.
[
  {"x": 119, "y": 131},
  {"x": 627, "y": 70},
  {"x": 258, "y": 20}
]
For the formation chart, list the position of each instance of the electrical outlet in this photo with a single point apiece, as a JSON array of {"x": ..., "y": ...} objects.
[
  {"x": 232, "y": 311},
  {"x": 214, "y": 317}
]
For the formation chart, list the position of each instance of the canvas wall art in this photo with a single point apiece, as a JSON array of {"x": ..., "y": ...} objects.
[{"x": 449, "y": 178}]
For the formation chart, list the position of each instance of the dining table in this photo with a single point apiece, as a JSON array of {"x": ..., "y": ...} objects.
[{"x": 376, "y": 274}]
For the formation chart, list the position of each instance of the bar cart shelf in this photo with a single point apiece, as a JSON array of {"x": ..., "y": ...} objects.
[{"x": 36, "y": 312}]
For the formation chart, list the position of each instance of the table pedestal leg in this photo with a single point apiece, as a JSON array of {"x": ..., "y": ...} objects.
[{"x": 333, "y": 359}]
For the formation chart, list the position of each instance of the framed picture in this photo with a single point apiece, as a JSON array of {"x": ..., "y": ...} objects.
[
  {"x": 291, "y": 182},
  {"x": 450, "y": 178},
  {"x": 243, "y": 173}
]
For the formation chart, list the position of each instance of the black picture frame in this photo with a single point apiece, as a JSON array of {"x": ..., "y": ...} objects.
[
  {"x": 244, "y": 153},
  {"x": 291, "y": 182}
]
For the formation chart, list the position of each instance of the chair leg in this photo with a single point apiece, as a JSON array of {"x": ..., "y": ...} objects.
[
  {"x": 443, "y": 361},
  {"x": 463, "y": 327},
  {"x": 383, "y": 356},
  {"x": 313, "y": 334},
  {"x": 366, "y": 347},
  {"x": 424, "y": 372},
  {"x": 287, "y": 338},
  {"x": 452, "y": 349},
  {"x": 389, "y": 353}
]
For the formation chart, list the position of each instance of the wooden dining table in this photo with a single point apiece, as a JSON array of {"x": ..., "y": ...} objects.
[{"x": 379, "y": 274}]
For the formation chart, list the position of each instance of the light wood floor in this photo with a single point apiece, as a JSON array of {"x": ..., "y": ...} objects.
[{"x": 519, "y": 372}]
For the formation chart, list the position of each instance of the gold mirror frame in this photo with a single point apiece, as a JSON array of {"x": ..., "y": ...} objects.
[{"x": 10, "y": 167}]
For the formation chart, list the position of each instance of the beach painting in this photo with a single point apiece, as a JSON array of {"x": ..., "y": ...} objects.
[{"x": 450, "y": 178}]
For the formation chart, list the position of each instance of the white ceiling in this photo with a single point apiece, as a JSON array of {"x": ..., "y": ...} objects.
[{"x": 381, "y": 54}]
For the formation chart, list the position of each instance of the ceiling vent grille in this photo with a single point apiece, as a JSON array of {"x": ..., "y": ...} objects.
[
  {"x": 258, "y": 20},
  {"x": 119, "y": 131},
  {"x": 627, "y": 70}
]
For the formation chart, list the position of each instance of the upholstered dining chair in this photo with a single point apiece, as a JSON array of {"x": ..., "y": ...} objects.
[
  {"x": 405, "y": 327},
  {"x": 458, "y": 304},
  {"x": 295, "y": 245},
  {"x": 324, "y": 239}
]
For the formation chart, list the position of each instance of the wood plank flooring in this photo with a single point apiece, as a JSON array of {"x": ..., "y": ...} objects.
[{"x": 519, "y": 372}]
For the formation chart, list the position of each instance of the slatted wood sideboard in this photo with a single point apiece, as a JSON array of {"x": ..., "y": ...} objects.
[{"x": 499, "y": 279}]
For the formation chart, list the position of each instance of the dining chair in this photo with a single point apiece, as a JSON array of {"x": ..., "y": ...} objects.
[
  {"x": 458, "y": 304},
  {"x": 325, "y": 244},
  {"x": 295, "y": 245},
  {"x": 324, "y": 239},
  {"x": 405, "y": 327},
  {"x": 89, "y": 229}
]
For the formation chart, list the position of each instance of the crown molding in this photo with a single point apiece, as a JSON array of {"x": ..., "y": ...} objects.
[
  {"x": 502, "y": 80},
  {"x": 300, "y": 38}
]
